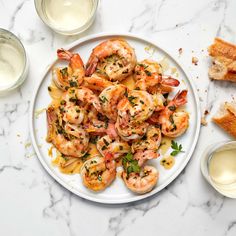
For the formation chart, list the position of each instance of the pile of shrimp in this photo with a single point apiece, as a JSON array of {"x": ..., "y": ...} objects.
[{"x": 126, "y": 124}]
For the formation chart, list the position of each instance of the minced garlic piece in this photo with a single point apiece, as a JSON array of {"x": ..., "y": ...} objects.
[{"x": 168, "y": 162}]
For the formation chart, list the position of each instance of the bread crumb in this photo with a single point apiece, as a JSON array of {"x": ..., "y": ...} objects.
[
  {"x": 180, "y": 51},
  {"x": 28, "y": 144},
  {"x": 195, "y": 61},
  {"x": 203, "y": 121},
  {"x": 173, "y": 70}
]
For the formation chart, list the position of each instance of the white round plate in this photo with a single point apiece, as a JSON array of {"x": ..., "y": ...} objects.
[{"x": 117, "y": 192}]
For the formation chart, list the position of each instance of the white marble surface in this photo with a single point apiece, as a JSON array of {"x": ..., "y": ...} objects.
[{"x": 31, "y": 203}]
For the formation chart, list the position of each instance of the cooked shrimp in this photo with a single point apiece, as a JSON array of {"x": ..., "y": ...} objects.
[
  {"x": 71, "y": 76},
  {"x": 174, "y": 123},
  {"x": 114, "y": 146},
  {"x": 155, "y": 79},
  {"x": 81, "y": 97},
  {"x": 159, "y": 101},
  {"x": 143, "y": 155},
  {"x": 109, "y": 99},
  {"x": 129, "y": 131},
  {"x": 73, "y": 114},
  {"x": 146, "y": 67},
  {"x": 97, "y": 124},
  {"x": 146, "y": 148},
  {"x": 149, "y": 77},
  {"x": 97, "y": 127},
  {"x": 96, "y": 82},
  {"x": 70, "y": 140},
  {"x": 115, "y": 57},
  {"x": 137, "y": 107},
  {"x": 98, "y": 172},
  {"x": 142, "y": 182}
]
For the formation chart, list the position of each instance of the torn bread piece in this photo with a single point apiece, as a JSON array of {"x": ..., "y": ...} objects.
[
  {"x": 224, "y": 61},
  {"x": 226, "y": 118}
]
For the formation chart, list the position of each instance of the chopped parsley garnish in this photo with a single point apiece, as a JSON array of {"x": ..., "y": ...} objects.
[
  {"x": 64, "y": 72},
  {"x": 130, "y": 165},
  {"x": 125, "y": 71},
  {"x": 100, "y": 178},
  {"x": 131, "y": 98},
  {"x": 73, "y": 99},
  {"x": 166, "y": 95},
  {"x": 142, "y": 65},
  {"x": 172, "y": 108},
  {"x": 103, "y": 99},
  {"x": 93, "y": 139},
  {"x": 63, "y": 102},
  {"x": 176, "y": 148},
  {"x": 85, "y": 156},
  {"x": 73, "y": 84},
  {"x": 106, "y": 122},
  {"x": 172, "y": 122},
  {"x": 148, "y": 73},
  {"x": 105, "y": 141},
  {"x": 64, "y": 157}
]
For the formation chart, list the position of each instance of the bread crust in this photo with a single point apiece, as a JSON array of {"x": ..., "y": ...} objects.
[
  {"x": 227, "y": 120},
  {"x": 222, "y": 48},
  {"x": 224, "y": 61}
]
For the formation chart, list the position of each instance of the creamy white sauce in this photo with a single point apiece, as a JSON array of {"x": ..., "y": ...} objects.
[{"x": 69, "y": 14}]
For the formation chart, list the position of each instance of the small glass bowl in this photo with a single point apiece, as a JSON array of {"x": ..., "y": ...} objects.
[
  {"x": 41, "y": 10},
  {"x": 8, "y": 39},
  {"x": 228, "y": 190}
]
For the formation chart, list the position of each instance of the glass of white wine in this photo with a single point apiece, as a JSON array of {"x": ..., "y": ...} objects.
[
  {"x": 218, "y": 165},
  {"x": 13, "y": 62},
  {"x": 67, "y": 17}
]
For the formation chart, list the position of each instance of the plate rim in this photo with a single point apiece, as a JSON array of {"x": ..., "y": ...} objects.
[{"x": 70, "y": 188}]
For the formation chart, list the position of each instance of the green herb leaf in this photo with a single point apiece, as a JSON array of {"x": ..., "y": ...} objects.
[
  {"x": 172, "y": 108},
  {"x": 131, "y": 98},
  {"x": 93, "y": 139},
  {"x": 64, "y": 72},
  {"x": 103, "y": 99},
  {"x": 85, "y": 156},
  {"x": 130, "y": 165},
  {"x": 63, "y": 102},
  {"x": 148, "y": 73},
  {"x": 176, "y": 148},
  {"x": 73, "y": 84}
]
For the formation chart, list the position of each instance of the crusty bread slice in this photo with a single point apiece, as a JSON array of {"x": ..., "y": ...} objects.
[
  {"x": 224, "y": 61},
  {"x": 226, "y": 118},
  {"x": 222, "y": 48}
]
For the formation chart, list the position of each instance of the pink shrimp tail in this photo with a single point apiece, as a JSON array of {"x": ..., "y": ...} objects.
[
  {"x": 64, "y": 54},
  {"x": 75, "y": 59},
  {"x": 180, "y": 98},
  {"x": 168, "y": 80},
  {"x": 91, "y": 65}
]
